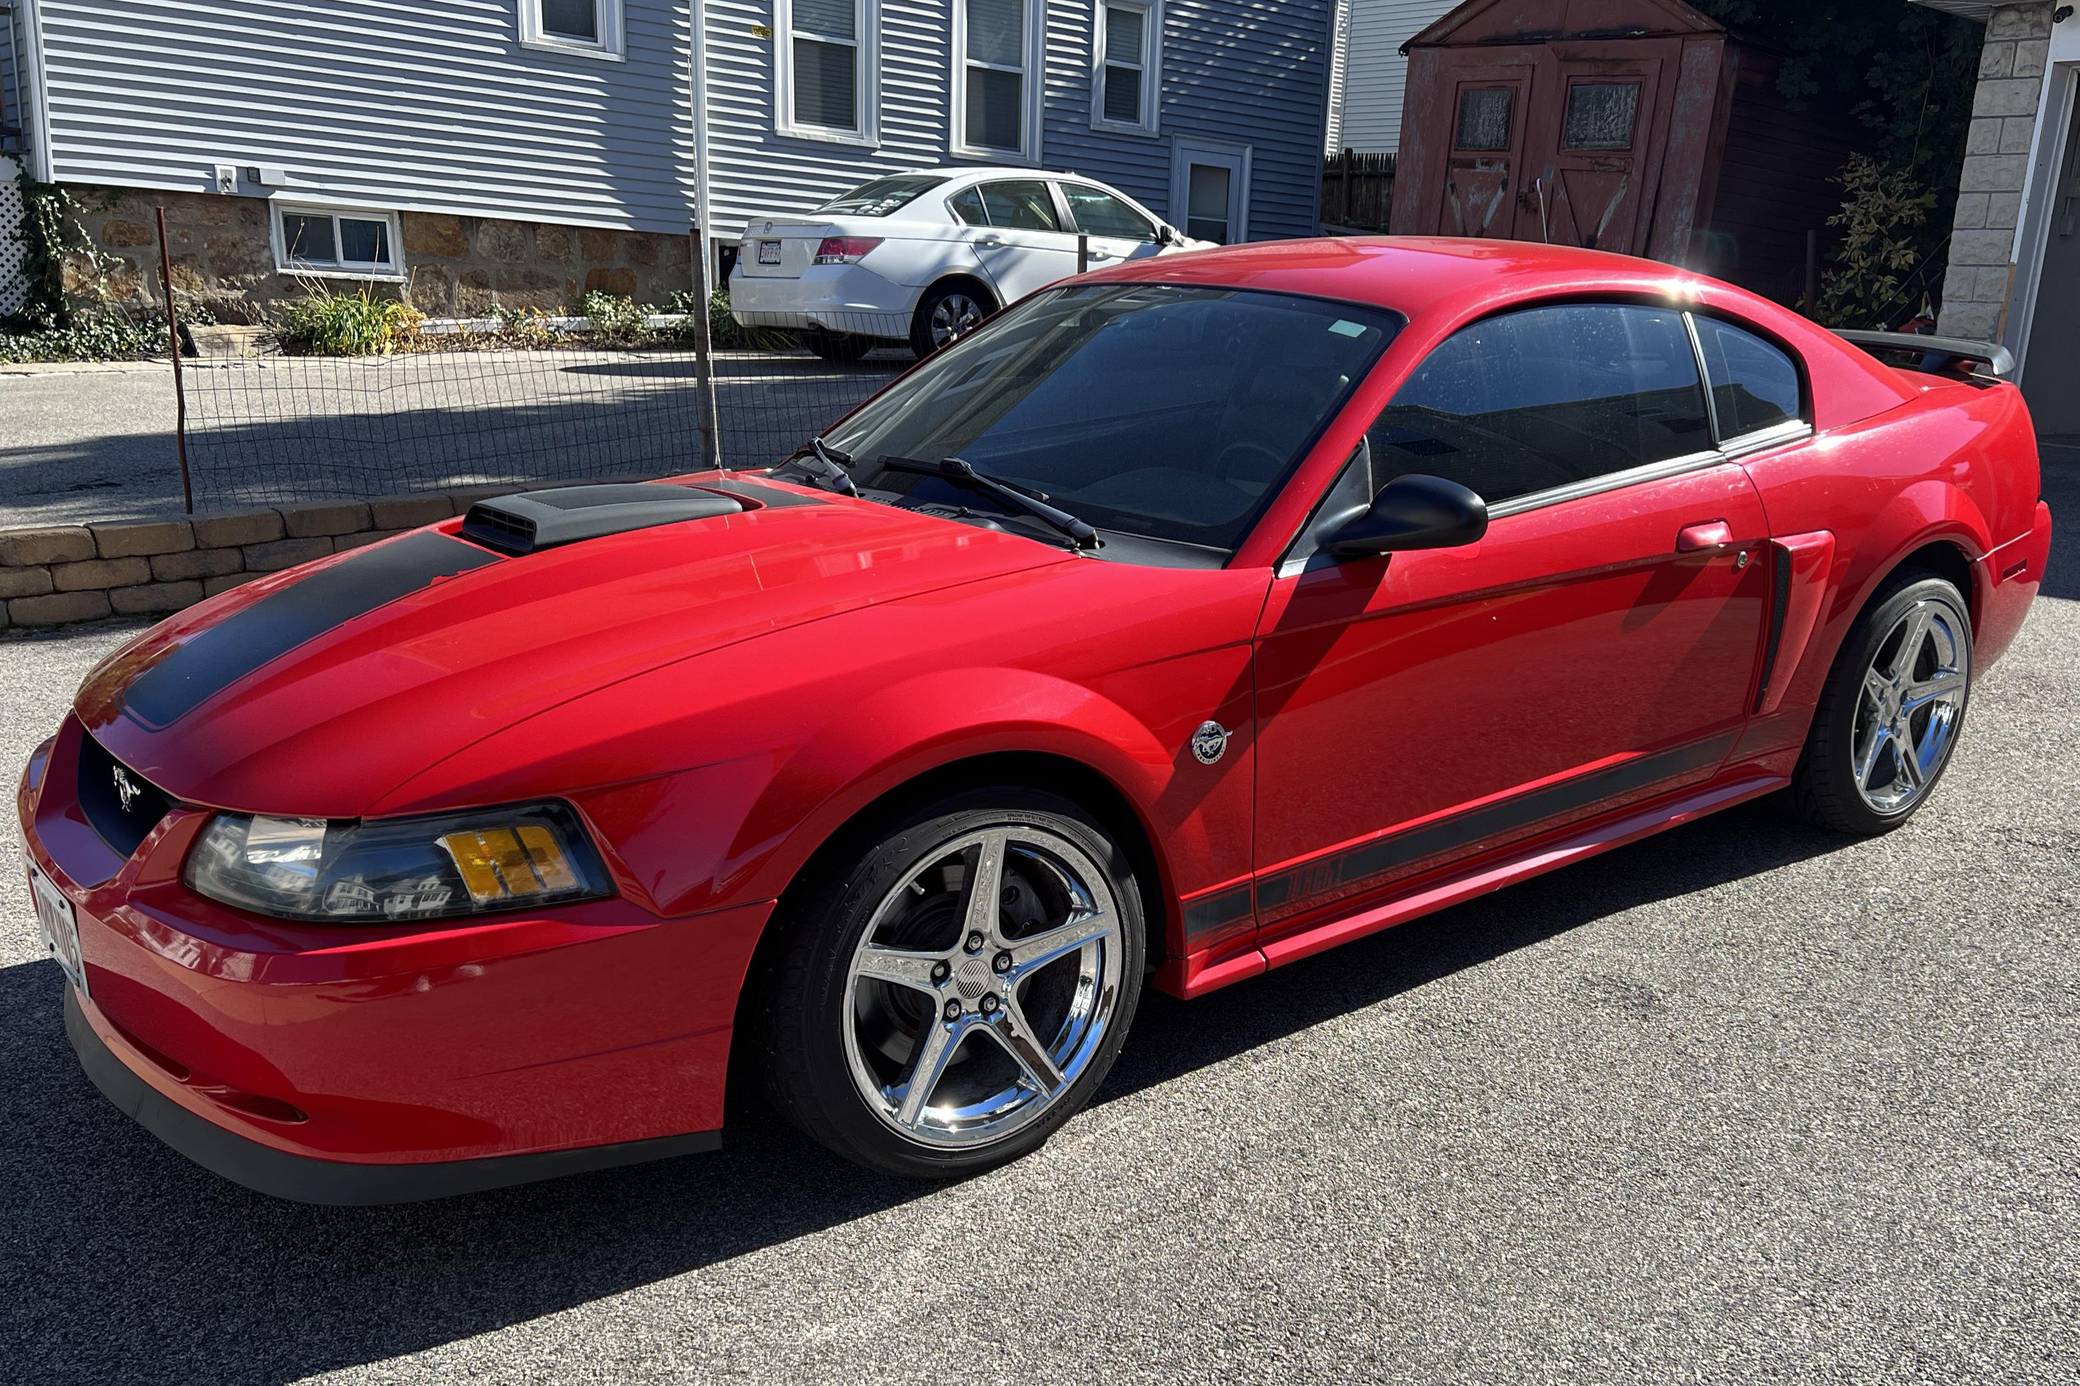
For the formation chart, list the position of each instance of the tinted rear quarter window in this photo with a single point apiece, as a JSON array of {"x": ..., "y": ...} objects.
[
  {"x": 967, "y": 206},
  {"x": 1754, "y": 383},
  {"x": 1547, "y": 397}
]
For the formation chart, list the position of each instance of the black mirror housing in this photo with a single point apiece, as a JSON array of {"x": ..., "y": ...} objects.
[{"x": 1413, "y": 512}]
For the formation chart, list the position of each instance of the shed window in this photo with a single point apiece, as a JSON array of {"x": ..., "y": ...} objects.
[
  {"x": 1754, "y": 384},
  {"x": 1484, "y": 114},
  {"x": 826, "y": 77},
  {"x": 1123, "y": 58},
  {"x": 1600, "y": 115},
  {"x": 588, "y": 27},
  {"x": 1547, "y": 397},
  {"x": 328, "y": 241},
  {"x": 992, "y": 84}
]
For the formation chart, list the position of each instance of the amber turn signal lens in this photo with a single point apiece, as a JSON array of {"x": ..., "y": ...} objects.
[{"x": 508, "y": 864}]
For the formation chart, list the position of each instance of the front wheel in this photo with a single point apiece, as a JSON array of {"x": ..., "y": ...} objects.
[
  {"x": 1890, "y": 712},
  {"x": 958, "y": 990}
]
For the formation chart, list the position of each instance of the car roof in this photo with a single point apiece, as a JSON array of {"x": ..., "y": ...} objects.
[{"x": 978, "y": 171}]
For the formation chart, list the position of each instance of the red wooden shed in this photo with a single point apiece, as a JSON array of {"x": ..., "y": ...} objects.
[{"x": 1639, "y": 126}]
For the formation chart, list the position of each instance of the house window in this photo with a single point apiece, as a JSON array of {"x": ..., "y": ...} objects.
[
  {"x": 336, "y": 242},
  {"x": 996, "y": 47},
  {"x": 1125, "y": 66},
  {"x": 824, "y": 64},
  {"x": 591, "y": 28}
]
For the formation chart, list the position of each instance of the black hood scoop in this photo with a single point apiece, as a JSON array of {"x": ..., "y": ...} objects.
[{"x": 534, "y": 520}]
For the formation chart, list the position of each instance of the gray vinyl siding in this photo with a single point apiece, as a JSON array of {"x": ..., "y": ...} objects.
[
  {"x": 1376, "y": 73},
  {"x": 1241, "y": 72},
  {"x": 432, "y": 105}
]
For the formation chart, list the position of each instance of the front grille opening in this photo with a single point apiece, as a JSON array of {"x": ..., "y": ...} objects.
[{"x": 121, "y": 805}]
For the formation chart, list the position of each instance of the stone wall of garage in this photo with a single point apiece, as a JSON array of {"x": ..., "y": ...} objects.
[
  {"x": 66, "y": 573},
  {"x": 222, "y": 254}
]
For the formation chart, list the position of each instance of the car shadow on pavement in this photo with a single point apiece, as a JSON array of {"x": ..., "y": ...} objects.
[{"x": 124, "y": 1262}]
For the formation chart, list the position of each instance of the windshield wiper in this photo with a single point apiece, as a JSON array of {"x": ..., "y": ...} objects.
[
  {"x": 1079, "y": 534},
  {"x": 826, "y": 465}
]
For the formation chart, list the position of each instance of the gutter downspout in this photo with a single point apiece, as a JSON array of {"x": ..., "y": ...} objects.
[{"x": 36, "y": 121}]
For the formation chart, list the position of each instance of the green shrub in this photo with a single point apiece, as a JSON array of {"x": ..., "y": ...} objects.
[
  {"x": 1883, "y": 210},
  {"x": 724, "y": 331},
  {"x": 107, "y": 334},
  {"x": 329, "y": 324},
  {"x": 525, "y": 327},
  {"x": 616, "y": 320}
]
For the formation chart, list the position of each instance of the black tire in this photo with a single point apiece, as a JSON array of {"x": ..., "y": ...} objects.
[
  {"x": 838, "y": 346},
  {"x": 801, "y": 1002},
  {"x": 1824, "y": 789},
  {"x": 938, "y": 296}
]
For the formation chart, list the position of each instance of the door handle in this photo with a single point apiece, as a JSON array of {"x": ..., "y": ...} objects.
[
  {"x": 1709, "y": 534},
  {"x": 989, "y": 240}
]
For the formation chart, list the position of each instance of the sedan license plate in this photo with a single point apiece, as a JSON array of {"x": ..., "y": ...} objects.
[
  {"x": 60, "y": 927},
  {"x": 769, "y": 252}
]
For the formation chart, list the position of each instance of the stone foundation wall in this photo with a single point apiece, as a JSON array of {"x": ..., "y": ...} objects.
[{"x": 223, "y": 257}]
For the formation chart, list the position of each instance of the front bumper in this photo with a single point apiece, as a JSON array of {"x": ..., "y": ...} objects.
[{"x": 362, "y": 1064}]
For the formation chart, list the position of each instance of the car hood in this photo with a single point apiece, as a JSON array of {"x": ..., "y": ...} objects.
[{"x": 313, "y": 692}]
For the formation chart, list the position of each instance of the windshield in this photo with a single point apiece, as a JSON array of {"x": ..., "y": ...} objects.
[
  {"x": 1167, "y": 410},
  {"x": 883, "y": 195}
]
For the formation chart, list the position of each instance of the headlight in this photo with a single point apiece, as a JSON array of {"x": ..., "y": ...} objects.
[{"x": 397, "y": 869}]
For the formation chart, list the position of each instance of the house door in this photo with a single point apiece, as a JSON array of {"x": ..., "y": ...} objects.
[
  {"x": 1593, "y": 156},
  {"x": 1209, "y": 191},
  {"x": 2051, "y": 362}
]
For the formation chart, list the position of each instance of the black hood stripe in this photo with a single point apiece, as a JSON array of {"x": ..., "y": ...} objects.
[{"x": 226, "y": 652}]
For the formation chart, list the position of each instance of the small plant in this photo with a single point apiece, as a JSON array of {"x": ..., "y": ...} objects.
[
  {"x": 1883, "y": 210},
  {"x": 525, "y": 327},
  {"x": 329, "y": 324},
  {"x": 725, "y": 333},
  {"x": 108, "y": 334},
  {"x": 616, "y": 320}
]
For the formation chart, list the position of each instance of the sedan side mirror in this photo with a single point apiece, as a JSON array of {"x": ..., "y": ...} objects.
[
  {"x": 1166, "y": 234},
  {"x": 1413, "y": 512}
]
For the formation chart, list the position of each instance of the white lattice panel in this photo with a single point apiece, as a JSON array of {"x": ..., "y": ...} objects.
[{"x": 14, "y": 277}]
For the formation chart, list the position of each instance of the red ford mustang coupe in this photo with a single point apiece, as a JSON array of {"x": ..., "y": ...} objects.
[{"x": 1188, "y": 619}]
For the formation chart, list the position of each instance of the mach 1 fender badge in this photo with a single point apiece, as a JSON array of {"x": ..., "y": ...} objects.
[{"x": 1210, "y": 742}]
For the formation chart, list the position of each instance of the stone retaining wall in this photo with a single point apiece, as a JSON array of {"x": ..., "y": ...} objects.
[{"x": 57, "y": 575}]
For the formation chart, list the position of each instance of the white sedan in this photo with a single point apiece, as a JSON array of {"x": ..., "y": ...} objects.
[{"x": 924, "y": 257}]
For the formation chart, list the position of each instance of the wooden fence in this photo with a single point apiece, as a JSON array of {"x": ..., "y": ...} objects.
[{"x": 1357, "y": 190}]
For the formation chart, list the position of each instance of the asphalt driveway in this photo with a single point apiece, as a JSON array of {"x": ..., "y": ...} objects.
[{"x": 1740, "y": 1103}]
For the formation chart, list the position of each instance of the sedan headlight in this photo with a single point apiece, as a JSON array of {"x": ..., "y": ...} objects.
[{"x": 399, "y": 869}]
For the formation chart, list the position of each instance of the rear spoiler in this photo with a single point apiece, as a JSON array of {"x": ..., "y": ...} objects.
[{"x": 1937, "y": 355}]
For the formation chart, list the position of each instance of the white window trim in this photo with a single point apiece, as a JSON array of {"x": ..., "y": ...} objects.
[
  {"x": 394, "y": 273},
  {"x": 866, "y": 44},
  {"x": 1033, "y": 79},
  {"x": 613, "y": 39},
  {"x": 1151, "y": 12}
]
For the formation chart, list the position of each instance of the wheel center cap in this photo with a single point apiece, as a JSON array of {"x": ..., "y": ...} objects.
[{"x": 973, "y": 978}]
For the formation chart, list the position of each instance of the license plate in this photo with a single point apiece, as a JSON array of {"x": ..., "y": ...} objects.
[
  {"x": 60, "y": 927},
  {"x": 769, "y": 252}
]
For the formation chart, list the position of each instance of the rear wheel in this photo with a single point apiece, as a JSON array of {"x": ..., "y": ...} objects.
[
  {"x": 1891, "y": 711},
  {"x": 958, "y": 991},
  {"x": 947, "y": 313},
  {"x": 838, "y": 346}
]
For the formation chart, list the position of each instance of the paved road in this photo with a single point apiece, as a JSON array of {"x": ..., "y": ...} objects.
[
  {"x": 1741, "y": 1103},
  {"x": 97, "y": 445}
]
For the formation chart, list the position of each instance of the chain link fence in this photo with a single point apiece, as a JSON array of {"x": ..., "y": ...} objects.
[{"x": 519, "y": 398}]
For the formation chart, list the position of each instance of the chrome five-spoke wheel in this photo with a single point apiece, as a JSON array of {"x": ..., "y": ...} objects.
[
  {"x": 983, "y": 986},
  {"x": 1912, "y": 701}
]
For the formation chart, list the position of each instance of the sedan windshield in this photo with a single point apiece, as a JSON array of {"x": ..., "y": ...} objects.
[
  {"x": 1167, "y": 410},
  {"x": 883, "y": 195}
]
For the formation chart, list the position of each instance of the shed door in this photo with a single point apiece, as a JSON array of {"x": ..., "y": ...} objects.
[
  {"x": 1594, "y": 145},
  {"x": 1489, "y": 108}
]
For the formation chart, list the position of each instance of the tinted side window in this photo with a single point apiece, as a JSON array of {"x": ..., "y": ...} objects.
[
  {"x": 1754, "y": 384},
  {"x": 967, "y": 206},
  {"x": 1099, "y": 213},
  {"x": 1020, "y": 205},
  {"x": 1544, "y": 397}
]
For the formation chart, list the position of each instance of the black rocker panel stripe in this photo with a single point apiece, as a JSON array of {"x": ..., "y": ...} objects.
[
  {"x": 1210, "y": 913},
  {"x": 226, "y": 652},
  {"x": 1326, "y": 875}
]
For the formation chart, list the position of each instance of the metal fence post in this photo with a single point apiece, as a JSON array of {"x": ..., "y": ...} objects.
[
  {"x": 180, "y": 393},
  {"x": 1083, "y": 253},
  {"x": 704, "y": 355}
]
